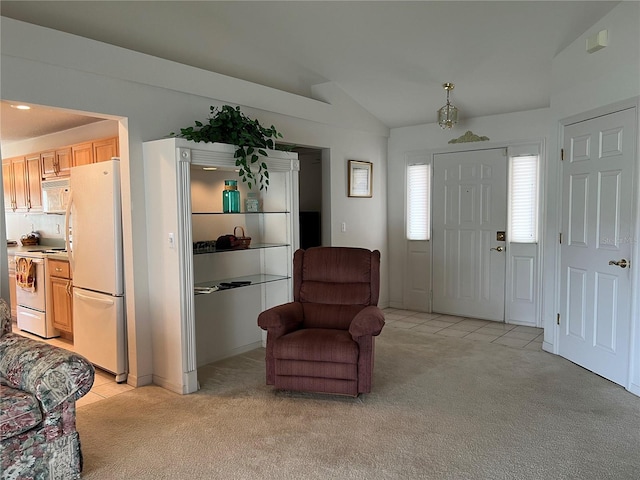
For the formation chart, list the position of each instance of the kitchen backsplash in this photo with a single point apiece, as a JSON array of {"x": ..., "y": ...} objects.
[{"x": 50, "y": 227}]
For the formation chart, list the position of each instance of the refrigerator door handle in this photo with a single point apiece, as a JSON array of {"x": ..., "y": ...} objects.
[
  {"x": 106, "y": 303},
  {"x": 67, "y": 239}
]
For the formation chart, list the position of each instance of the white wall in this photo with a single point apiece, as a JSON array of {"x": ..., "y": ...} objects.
[
  {"x": 581, "y": 83},
  {"x": 424, "y": 139},
  {"x": 155, "y": 97}
]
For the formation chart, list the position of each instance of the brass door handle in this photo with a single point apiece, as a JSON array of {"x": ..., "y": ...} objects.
[
  {"x": 620, "y": 263},
  {"x": 498, "y": 249}
]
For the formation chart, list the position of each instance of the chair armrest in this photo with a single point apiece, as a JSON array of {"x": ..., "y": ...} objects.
[
  {"x": 52, "y": 374},
  {"x": 287, "y": 317},
  {"x": 369, "y": 321}
]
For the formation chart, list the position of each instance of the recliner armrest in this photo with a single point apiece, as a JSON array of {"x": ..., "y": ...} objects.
[
  {"x": 369, "y": 321},
  {"x": 287, "y": 317}
]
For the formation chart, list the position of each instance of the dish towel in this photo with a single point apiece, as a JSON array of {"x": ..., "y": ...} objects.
[{"x": 26, "y": 274}]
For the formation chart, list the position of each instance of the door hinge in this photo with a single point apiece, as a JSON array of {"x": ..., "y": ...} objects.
[
  {"x": 560, "y": 235},
  {"x": 558, "y": 319},
  {"x": 562, "y": 154}
]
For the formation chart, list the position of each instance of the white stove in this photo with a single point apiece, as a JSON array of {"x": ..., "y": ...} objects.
[{"x": 31, "y": 279}]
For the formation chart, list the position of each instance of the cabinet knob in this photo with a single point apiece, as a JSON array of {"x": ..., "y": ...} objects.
[{"x": 58, "y": 269}]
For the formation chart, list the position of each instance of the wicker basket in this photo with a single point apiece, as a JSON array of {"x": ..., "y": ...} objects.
[
  {"x": 243, "y": 241},
  {"x": 28, "y": 241}
]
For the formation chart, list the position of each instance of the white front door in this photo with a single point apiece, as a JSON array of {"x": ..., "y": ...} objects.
[
  {"x": 469, "y": 209},
  {"x": 597, "y": 185}
]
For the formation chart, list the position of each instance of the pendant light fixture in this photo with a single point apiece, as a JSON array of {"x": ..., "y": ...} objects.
[{"x": 447, "y": 115}]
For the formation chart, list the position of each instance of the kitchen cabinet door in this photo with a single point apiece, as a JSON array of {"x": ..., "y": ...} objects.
[
  {"x": 82, "y": 154},
  {"x": 104, "y": 150},
  {"x": 64, "y": 161},
  {"x": 56, "y": 163},
  {"x": 33, "y": 183},
  {"x": 7, "y": 184},
  {"x": 48, "y": 162},
  {"x": 19, "y": 169},
  {"x": 60, "y": 306}
]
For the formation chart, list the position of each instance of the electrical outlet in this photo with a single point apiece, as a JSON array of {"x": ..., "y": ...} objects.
[
  {"x": 58, "y": 228},
  {"x": 344, "y": 227}
]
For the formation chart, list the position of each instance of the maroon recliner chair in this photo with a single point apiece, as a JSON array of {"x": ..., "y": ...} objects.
[{"x": 323, "y": 340}]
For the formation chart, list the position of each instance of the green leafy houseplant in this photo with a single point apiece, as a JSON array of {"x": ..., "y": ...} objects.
[{"x": 230, "y": 125}]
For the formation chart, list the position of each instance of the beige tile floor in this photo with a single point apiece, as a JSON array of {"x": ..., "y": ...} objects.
[
  {"x": 104, "y": 384},
  {"x": 530, "y": 338},
  {"x": 514, "y": 336}
]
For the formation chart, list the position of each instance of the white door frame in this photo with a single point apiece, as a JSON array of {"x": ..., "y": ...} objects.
[{"x": 633, "y": 383}]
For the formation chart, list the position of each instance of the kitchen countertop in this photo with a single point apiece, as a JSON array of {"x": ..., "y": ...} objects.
[{"x": 12, "y": 251}]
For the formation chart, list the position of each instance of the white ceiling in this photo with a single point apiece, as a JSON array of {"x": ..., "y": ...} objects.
[{"x": 392, "y": 57}]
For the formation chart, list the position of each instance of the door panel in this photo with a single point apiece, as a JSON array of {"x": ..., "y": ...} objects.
[
  {"x": 469, "y": 207},
  {"x": 595, "y": 295}
]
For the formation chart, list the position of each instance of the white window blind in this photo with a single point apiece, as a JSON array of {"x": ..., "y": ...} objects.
[
  {"x": 418, "y": 202},
  {"x": 524, "y": 199}
]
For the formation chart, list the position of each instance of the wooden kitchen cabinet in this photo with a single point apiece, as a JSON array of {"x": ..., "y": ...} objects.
[
  {"x": 22, "y": 183},
  {"x": 104, "y": 150},
  {"x": 82, "y": 154},
  {"x": 60, "y": 306},
  {"x": 33, "y": 182},
  {"x": 56, "y": 163},
  {"x": 95, "y": 151},
  {"x": 7, "y": 184}
]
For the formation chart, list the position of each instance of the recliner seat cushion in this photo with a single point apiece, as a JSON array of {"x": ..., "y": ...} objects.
[
  {"x": 317, "y": 345},
  {"x": 19, "y": 412}
]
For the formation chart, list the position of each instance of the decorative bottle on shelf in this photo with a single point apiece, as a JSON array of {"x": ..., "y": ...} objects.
[
  {"x": 231, "y": 197},
  {"x": 251, "y": 203}
]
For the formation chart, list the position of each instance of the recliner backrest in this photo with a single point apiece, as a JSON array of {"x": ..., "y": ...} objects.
[{"x": 334, "y": 283}]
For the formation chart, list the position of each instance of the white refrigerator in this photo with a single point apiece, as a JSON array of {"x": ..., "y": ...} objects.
[{"x": 94, "y": 245}]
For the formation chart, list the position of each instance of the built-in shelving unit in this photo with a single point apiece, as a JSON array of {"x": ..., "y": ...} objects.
[{"x": 209, "y": 321}]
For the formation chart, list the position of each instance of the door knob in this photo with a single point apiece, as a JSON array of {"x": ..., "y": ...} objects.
[
  {"x": 498, "y": 249},
  {"x": 620, "y": 263}
]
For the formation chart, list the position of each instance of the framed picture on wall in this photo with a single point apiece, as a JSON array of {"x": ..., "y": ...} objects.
[{"x": 360, "y": 178}]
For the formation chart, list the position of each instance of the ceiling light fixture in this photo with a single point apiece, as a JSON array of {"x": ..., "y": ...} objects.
[
  {"x": 21, "y": 107},
  {"x": 447, "y": 115}
]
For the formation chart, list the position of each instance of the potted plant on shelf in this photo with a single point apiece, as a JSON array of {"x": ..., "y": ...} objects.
[{"x": 229, "y": 125}]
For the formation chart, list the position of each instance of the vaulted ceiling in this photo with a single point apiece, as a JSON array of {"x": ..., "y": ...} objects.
[{"x": 391, "y": 57}]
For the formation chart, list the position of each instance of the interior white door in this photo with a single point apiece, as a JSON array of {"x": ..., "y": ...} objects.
[
  {"x": 469, "y": 208},
  {"x": 597, "y": 187}
]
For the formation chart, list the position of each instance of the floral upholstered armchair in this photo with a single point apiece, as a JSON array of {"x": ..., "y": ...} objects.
[{"x": 39, "y": 386}]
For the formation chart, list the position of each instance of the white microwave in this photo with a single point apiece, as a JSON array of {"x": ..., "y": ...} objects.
[{"x": 55, "y": 195}]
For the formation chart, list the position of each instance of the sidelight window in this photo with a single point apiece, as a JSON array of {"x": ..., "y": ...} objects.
[
  {"x": 418, "y": 202},
  {"x": 523, "y": 202}
]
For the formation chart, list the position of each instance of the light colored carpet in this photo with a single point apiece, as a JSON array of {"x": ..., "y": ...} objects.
[{"x": 441, "y": 408}]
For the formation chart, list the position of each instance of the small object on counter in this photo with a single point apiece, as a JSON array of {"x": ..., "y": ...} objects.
[
  {"x": 32, "y": 238},
  {"x": 12, "y": 243}
]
